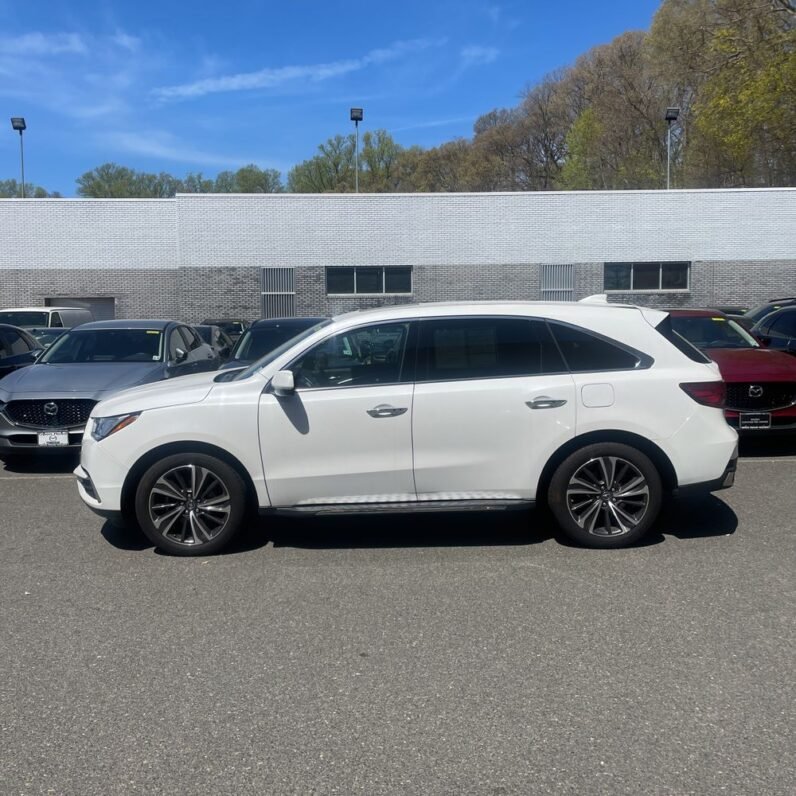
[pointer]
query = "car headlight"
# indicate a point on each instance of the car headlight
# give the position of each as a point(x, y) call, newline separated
point(105, 426)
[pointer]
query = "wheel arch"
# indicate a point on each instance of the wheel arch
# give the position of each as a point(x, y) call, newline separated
point(170, 449)
point(661, 461)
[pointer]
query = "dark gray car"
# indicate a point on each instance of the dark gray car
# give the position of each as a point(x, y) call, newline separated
point(46, 405)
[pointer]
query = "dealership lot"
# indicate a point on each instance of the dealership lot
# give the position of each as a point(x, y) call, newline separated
point(425, 654)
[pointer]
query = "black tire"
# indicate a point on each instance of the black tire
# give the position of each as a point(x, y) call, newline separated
point(606, 516)
point(204, 521)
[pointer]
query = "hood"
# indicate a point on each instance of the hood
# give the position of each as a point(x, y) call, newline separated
point(751, 364)
point(172, 392)
point(85, 380)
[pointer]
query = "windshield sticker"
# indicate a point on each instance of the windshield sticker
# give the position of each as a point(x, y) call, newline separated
point(152, 331)
point(718, 319)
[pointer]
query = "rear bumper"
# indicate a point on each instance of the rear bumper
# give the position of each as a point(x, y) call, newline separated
point(725, 481)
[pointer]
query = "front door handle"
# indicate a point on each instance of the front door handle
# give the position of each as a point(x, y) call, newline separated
point(385, 410)
point(543, 402)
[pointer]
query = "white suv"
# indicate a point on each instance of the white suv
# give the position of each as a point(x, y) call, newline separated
point(597, 410)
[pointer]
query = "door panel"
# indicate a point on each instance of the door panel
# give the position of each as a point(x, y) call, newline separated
point(480, 439)
point(325, 446)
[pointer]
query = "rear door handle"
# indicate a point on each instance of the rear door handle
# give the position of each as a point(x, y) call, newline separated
point(385, 410)
point(543, 402)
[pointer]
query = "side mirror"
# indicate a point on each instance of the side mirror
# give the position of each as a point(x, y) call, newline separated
point(180, 356)
point(283, 382)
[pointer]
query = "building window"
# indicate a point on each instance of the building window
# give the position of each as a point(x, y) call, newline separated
point(369, 279)
point(646, 276)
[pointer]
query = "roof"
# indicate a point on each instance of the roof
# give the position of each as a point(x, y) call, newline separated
point(295, 321)
point(40, 309)
point(121, 323)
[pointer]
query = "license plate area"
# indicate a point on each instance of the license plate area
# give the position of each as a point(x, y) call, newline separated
point(754, 420)
point(53, 439)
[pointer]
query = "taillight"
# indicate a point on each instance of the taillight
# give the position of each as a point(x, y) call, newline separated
point(707, 393)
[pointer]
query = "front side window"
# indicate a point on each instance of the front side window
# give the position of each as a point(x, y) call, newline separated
point(785, 324)
point(585, 352)
point(106, 345)
point(12, 344)
point(355, 358)
point(55, 320)
point(646, 276)
point(485, 348)
point(368, 280)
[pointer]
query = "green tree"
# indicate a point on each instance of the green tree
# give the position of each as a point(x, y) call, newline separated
point(9, 189)
point(583, 168)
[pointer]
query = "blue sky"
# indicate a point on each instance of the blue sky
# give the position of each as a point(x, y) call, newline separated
point(200, 86)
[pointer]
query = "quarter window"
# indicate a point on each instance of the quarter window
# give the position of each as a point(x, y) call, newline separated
point(355, 358)
point(584, 352)
point(785, 324)
point(646, 276)
point(369, 279)
point(486, 348)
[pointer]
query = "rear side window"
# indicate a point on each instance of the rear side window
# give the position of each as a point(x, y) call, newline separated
point(486, 348)
point(12, 344)
point(680, 343)
point(55, 320)
point(585, 352)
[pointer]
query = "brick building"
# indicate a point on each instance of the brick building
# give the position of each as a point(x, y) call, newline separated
point(251, 255)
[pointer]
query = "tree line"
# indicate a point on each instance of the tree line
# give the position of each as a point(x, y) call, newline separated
point(729, 65)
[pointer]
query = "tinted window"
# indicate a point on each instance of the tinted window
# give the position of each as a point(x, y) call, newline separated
point(680, 343)
point(25, 318)
point(12, 344)
point(106, 345)
point(674, 276)
point(712, 332)
point(584, 352)
point(646, 276)
point(784, 324)
point(397, 280)
point(617, 276)
point(484, 348)
point(339, 280)
point(369, 280)
point(355, 358)
point(192, 340)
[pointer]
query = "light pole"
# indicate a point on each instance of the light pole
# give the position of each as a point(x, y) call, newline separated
point(671, 116)
point(18, 123)
point(356, 118)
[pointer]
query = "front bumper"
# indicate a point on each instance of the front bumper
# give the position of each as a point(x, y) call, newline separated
point(89, 495)
point(25, 439)
point(781, 420)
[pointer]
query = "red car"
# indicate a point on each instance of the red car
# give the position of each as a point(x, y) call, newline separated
point(761, 382)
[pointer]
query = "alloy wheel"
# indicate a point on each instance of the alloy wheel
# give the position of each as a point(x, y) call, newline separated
point(189, 505)
point(608, 496)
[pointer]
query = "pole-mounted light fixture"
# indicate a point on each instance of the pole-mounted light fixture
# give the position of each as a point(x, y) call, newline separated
point(18, 123)
point(672, 115)
point(357, 116)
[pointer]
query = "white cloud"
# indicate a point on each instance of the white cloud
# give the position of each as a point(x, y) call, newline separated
point(274, 77)
point(476, 55)
point(432, 123)
point(126, 41)
point(158, 144)
point(43, 44)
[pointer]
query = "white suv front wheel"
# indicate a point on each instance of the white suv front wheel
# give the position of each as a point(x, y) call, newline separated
point(606, 495)
point(190, 504)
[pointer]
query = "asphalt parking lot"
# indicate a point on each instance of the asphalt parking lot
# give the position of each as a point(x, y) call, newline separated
point(472, 654)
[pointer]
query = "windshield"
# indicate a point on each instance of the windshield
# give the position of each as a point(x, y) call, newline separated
point(713, 332)
point(106, 345)
point(277, 352)
point(261, 340)
point(758, 313)
point(25, 319)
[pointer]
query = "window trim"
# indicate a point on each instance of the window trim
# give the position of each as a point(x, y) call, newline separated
point(651, 290)
point(383, 292)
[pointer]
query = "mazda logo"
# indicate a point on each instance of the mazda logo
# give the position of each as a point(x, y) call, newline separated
point(51, 409)
point(755, 391)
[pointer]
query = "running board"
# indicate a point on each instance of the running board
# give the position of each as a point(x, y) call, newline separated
point(399, 508)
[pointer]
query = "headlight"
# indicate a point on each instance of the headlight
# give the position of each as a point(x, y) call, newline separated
point(105, 426)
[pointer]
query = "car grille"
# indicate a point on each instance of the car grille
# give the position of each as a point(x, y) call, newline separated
point(775, 395)
point(59, 413)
